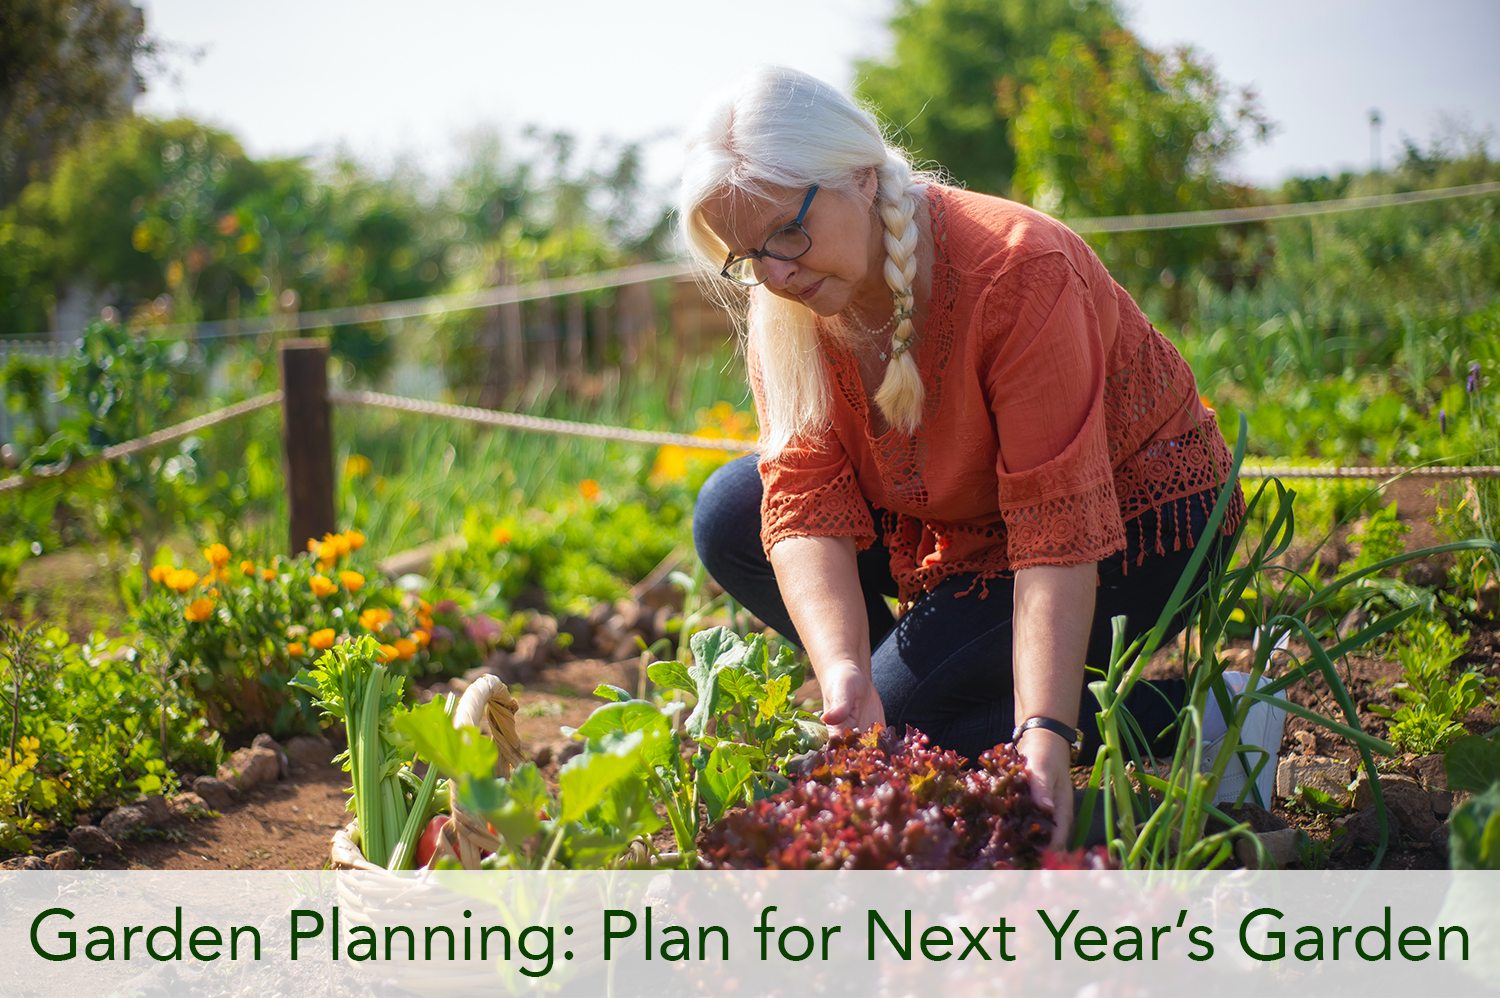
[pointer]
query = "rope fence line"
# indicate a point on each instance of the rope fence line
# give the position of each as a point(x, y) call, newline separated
point(598, 431)
point(668, 269)
point(129, 448)
point(537, 424)
point(1229, 216)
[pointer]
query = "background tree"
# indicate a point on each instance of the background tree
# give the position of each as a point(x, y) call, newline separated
point(1130, 131)
point(938, 87)
point(63, 63)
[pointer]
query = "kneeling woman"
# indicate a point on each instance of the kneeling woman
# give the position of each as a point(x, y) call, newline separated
point(959, 408)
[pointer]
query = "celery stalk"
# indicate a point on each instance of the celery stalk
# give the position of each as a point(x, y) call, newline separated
point(416, 820)
point(377, 846)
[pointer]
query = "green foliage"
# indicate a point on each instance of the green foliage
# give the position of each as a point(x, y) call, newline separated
point(1474, 832)
point(1128, 131)
point(67, 62)
point(1379, 540)
point(87, 728)
point(1436, 702)
point(937, 91)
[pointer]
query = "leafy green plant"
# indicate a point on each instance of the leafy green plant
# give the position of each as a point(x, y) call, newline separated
point(1436, 702)
point(1159, 821)
point(1473, 764)
point(601, 807)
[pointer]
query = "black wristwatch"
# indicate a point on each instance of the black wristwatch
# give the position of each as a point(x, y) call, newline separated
point(1073, 736)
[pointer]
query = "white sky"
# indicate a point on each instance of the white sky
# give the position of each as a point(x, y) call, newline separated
point(387, 79)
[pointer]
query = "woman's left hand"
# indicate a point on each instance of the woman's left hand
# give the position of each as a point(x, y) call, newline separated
point(1049, 761)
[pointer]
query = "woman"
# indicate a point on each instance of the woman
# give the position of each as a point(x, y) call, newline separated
point(958, 408)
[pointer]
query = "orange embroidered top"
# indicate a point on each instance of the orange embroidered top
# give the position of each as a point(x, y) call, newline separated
point(1054, 416)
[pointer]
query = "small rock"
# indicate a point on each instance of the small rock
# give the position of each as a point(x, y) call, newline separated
point(156, 807)
point(629, 612)
point(1439, 839)
point(1307, 742)
point(568, 751)
point(1362, 828)
point(310, 750)
point(580, 631)
point(1317, 771)
point(1280, 847)
point(63, 859)
point(250, 767)
point(542, 756)
point(90, 840)
point(1405, 798)
point(1431, 772)
point(188, 805)
point(123, 822)
point(1261, 821)
point(528, 658)
point(1442, 802)
point(1355, 620)
point(283, 765)
point(1428, 574)
point(220, 795)
point(25, 863)
point(1487, 600)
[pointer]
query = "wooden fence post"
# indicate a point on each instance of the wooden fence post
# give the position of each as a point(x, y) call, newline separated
point(306, 440)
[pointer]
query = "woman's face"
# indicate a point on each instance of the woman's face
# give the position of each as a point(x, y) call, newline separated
point(847, 248)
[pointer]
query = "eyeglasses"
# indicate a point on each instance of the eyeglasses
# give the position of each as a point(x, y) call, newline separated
point(786, 243)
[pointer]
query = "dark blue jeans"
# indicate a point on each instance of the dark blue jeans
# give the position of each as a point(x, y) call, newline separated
point(945, 667)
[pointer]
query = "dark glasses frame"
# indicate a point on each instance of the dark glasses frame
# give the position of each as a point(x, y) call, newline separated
point(763, 253)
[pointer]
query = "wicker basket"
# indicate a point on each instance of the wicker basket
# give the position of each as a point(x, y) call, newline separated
point(488, 706)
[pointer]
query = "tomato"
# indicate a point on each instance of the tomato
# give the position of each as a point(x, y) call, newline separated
point(427, 844)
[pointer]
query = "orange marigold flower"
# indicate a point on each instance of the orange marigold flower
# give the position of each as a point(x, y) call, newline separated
point(424, 620)
point(374, 618)
point(589, 489)
point(182, 579)
point(217, 555)
point(247, 568)
point(500, 535)
point(323, 586)
point(405, 648)
point(312, 545)
point(421, 637)
point(322, 640)
point(159, 573)
point(268, 574)
point(199, 610)
point(388, 652)
point(425, 606)
point(354, 539)
point(352, 581)
point(295, 649)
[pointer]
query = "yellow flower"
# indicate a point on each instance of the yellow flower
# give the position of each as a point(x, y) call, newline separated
point(268, 574)
point(352, 581)
point(295, 649)
point(182, 579)
point(323, 586)
point(357, 466)
point(374, 618)
point(322, 640)
point(421, 637)
point(354, 539)
point(199, 610)
point(159, 573)
point(388, 652)
point(247, 568)
point(335, 545)
point(312, 545)
point(217, 555)
point(500, 535)
point(671, 463)
point(589, 489)
point(405, 648)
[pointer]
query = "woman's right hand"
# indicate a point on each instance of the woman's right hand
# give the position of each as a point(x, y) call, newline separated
point(849, 698)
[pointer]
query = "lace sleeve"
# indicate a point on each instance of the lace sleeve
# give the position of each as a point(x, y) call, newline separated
point(1045, 379)
point(809, 489)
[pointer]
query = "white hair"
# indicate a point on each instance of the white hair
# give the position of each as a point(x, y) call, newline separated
point(780, 128)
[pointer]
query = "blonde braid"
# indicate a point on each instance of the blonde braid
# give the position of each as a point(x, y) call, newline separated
point(901, 393)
